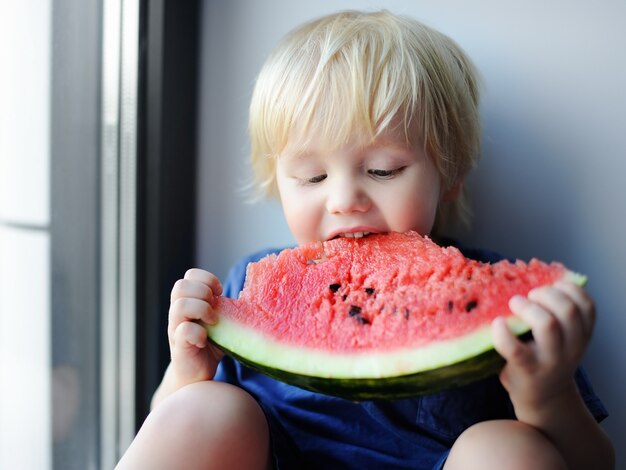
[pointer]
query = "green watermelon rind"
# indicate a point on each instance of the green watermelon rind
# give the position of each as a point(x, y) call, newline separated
point(365, 376)
point(371, 375)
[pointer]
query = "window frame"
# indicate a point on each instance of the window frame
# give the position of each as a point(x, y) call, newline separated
point(123, 166)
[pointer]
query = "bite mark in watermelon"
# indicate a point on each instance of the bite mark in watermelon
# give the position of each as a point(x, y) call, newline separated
point(386, 316)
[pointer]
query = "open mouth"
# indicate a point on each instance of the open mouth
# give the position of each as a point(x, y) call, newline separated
point(355, 234)
point(352, 235)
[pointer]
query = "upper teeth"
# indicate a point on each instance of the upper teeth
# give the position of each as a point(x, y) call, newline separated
point(355, 234)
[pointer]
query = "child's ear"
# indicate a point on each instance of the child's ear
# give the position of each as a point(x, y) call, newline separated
point(452, 194)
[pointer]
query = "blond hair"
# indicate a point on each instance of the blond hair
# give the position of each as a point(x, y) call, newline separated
point(357, 73)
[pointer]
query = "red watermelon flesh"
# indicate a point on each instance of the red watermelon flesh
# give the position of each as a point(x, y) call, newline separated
point(380, 292)
point(366, 297)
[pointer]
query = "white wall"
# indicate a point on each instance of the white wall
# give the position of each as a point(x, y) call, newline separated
point(25, 348)
point(551, 183)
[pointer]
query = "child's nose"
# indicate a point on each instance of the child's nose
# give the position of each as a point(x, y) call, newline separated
point(345, 197)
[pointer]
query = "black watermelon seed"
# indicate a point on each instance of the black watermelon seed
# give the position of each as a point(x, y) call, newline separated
point(406, 313)
point(354, 310)
point(369, 290)
point(471, 305)
point(334, 287)
point(344, 297)
point(450, 305)
point(362, 320)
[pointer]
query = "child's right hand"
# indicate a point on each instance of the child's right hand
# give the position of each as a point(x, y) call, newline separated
point(193, 357)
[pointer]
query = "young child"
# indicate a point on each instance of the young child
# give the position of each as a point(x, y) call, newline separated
point(363, 123)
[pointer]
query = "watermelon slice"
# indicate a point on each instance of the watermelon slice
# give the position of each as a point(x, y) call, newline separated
point(385, 316)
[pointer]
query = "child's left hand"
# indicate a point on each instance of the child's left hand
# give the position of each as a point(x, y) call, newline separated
point(538, 372)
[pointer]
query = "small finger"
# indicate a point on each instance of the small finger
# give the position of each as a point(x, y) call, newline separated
point(585, 304)
point(546, 329)
point(192, 288)
point(507, 344)
point(189, 334)
point(566, 311)
point(205, 277)
point(188, 309)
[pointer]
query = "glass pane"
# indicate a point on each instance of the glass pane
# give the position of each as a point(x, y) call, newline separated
point(68, 190)
point(75, 232)
point(25, 340)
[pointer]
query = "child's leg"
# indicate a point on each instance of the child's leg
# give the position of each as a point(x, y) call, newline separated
point(207, 425)
point(503, 444)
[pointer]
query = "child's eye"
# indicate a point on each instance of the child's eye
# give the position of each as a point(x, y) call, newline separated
point(385, 174)
point(313, 180)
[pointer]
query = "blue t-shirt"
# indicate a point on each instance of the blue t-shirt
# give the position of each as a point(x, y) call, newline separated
point(311, 430)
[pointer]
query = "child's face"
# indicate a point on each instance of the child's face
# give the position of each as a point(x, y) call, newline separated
point(382, 187)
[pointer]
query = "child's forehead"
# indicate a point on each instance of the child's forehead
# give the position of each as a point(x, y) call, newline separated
point(306, 146)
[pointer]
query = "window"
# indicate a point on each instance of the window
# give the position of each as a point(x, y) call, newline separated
point(97, 155)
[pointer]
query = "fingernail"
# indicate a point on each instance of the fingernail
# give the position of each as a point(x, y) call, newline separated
point(516, 301)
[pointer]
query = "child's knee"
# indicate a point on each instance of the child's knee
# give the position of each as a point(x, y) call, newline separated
point(220, 418)
point(216, 405)
point(504, 444)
